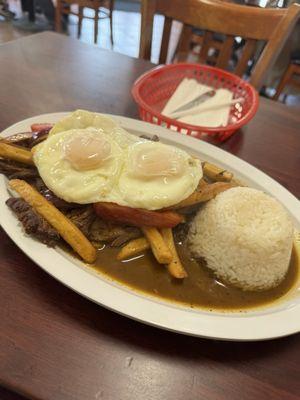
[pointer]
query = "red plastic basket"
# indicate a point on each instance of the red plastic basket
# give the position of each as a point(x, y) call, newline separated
point(153, 89)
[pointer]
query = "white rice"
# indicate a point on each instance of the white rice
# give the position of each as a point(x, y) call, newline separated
point(246, 238)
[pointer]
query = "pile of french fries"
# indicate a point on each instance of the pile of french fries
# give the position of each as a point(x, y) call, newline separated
point(159, 240)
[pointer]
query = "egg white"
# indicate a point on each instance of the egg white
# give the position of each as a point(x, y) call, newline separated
point(81, 119)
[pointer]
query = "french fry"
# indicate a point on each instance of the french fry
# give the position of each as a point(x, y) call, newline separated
point(175, 267)
point(133, 248)
point(205, 193)
point(201, 184)
point(15, 153)
point(216, 173)
point(237, 182)
point(159, 248)
point(16, 138)
point(67, 230)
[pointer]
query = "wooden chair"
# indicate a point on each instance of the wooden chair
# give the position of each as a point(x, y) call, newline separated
point(64, 7)
point(231, 20)
point(288, 78)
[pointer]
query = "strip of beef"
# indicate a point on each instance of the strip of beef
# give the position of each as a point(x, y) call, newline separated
point(33, 223)
point(61, 204)
point(83, 218)
point(38, 137)
point(181, 230)
point(16, 170)
point(129, 233)
point(21, 139)
point(154, 138)
point(27, 139)
point(99, 231)
point(116, 235)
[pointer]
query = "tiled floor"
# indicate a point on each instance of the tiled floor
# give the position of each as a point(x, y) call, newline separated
point(126, 30)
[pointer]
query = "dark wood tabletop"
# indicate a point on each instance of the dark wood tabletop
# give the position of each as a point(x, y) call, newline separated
point(56, 345)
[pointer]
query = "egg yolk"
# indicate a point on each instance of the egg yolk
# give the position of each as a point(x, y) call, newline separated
point(86, 152)
point(157, 161)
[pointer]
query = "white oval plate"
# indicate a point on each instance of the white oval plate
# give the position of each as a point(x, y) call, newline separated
point(278, 320)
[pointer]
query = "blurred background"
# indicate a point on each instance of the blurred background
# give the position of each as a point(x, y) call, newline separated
point(24, 17)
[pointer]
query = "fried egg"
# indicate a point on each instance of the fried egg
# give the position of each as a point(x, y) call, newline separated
point(156, 175)
point(79, 165)
point(89, 158)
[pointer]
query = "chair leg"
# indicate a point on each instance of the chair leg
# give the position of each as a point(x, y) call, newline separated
point(284, 81)
point(111, 9)
point(96, 19)
point(80, 17)
point(58, 16)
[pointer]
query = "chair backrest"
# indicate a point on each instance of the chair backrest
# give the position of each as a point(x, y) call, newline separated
point(271, 26)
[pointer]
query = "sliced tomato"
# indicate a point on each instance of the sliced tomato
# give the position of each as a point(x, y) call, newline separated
point(136, 216)
point(41, 127)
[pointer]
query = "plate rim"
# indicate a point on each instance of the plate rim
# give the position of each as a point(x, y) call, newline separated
point(225, 326)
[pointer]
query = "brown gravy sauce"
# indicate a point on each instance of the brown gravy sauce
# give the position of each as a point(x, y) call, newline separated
point(200, 289)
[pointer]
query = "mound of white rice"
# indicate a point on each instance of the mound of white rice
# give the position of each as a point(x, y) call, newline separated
point(246, 238)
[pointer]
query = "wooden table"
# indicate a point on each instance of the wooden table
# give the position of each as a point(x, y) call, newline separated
point(56, 345)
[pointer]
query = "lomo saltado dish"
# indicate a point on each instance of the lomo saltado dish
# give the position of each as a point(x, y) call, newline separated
point(149, 215)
